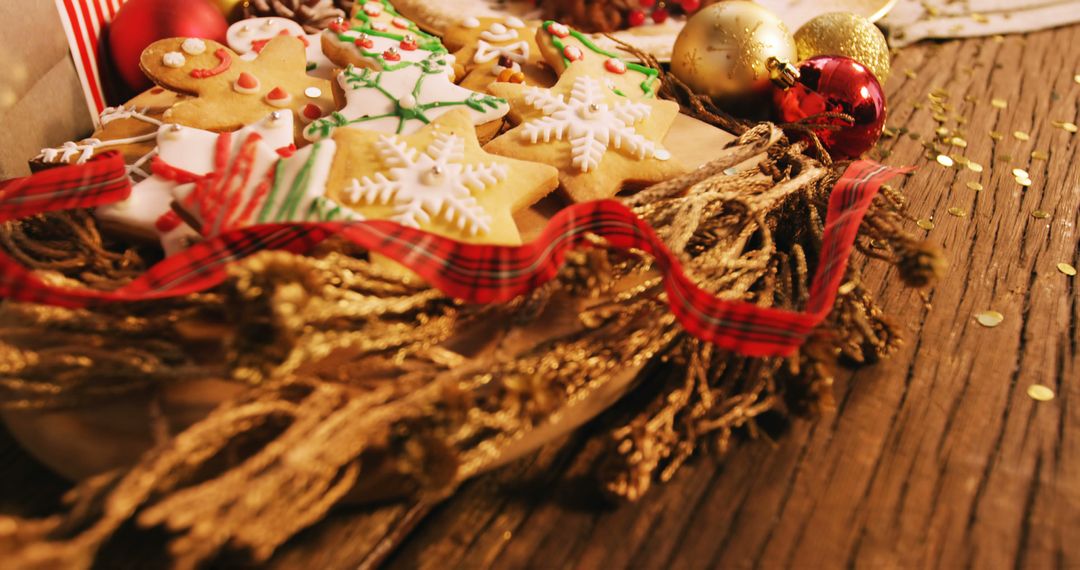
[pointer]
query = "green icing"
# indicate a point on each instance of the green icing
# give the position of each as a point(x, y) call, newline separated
point(297, 190)
point(647, 86)
point(424, 40)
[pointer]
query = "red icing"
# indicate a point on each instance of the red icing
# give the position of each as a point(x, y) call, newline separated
point(615, 65)
point(558, 30)
point(312, 111)
point(379, 26)
point(400, 23)
point(390, 55)
point(408, 44)
point(168, 222)
point(258, 45)
point(364, 42)
point(573, 53)
point(286, 151)
point(277, 93)
point(226, 62)
point(247, 81)
point(372, 9)
point(339, 28)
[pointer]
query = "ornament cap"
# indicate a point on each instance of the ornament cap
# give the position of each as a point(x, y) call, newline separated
point(782, 73)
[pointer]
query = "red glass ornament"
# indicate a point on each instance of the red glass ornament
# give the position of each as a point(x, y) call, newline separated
point(690, 6)
point(835, 84)
point(636, 18)
point(660, 15)
point(140, 23)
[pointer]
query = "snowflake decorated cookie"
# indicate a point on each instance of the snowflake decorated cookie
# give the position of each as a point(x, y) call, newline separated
point(148, 211)
point(130, 129)
point(403, 100)
point(228, 92)
point(563, 47)
point(598, 140)
point(498, 49)
point(378, 38)
point(249, 37)
point(438, 179)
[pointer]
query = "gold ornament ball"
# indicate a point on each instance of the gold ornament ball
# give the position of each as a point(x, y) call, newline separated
point(232, 9)
point(723, 50)
point(846, 34)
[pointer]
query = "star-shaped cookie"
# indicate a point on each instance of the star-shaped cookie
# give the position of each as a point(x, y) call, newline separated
point(229, 92)
point(598, 140)
point(438, 179)
point(404, 99)
point(490, 48)
point(563, 47)
point(378, 38)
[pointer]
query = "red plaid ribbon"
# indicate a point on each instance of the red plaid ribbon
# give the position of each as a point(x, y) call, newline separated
point(474, 273)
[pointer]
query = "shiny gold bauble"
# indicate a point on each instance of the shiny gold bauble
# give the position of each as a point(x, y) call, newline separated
point(846, 34)
point(724, 49)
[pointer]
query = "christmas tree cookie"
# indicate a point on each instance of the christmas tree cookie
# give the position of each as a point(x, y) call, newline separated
point(498, 49)
point(229, 92)
point(183, 155)
point(598, 140)
point(378, 38)
point(249, 37)
point(438, 179)
point(564, 47)
point(404, 99)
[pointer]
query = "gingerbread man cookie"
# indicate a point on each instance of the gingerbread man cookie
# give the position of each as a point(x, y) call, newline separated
point(130, 128)
point(147, 212)
point(249, 37)
point(564, 47)
point(404, 99)
point(229, 92)
point(438, 179)
point(378, 38)
point(598, 140)
point(498, 49)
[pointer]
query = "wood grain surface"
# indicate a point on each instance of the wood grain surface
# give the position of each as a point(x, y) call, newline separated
point(936, 457)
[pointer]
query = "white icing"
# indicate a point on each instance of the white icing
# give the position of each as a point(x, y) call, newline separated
point(362, 100)
point(470, 22)
point(242, 36)
point(193, 46)
point(192, 150)
point(86, 148)
point(379, 46)
point(514, 22)
point(373, 9)
point(434, 183)
point(174, 59)
point(485, 52)
point(313, 92)
point(588, 123)
point(499, 33)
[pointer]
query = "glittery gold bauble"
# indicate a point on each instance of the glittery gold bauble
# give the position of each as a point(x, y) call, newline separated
point(722, 51)
point(846, 34)
point(233, 9)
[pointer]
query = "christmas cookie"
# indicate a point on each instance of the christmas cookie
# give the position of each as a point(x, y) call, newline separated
point(404, 99)
point(378, 38)
point(563, 47)
point(147, 212)
point(438, 179)
point(498, 49)
point(229, 92)
point(598, 140)
point(249, 37)
point(130, 128)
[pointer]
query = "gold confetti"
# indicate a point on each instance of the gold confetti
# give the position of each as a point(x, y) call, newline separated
point(1067, 269)
point(1020, 173)
point(945, 161)
point(1021, 135)
point(847, 287)
point(910, 74)
point(974, 166)
point(996, 135)
point(989, 319)
point(980, 18)
point(974, 186)
point(999, 103)
point(1076, 78)
point(958, 142)
point(1039, 155)
point(939, 117)
point(957, 212)
point(1040, 214)
point(925, 224)
point(1025, 182)
point(942, 131)
point(1070, 127)
point(1040, 393)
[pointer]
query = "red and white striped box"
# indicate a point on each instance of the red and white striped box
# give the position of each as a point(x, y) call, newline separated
point(83, 22)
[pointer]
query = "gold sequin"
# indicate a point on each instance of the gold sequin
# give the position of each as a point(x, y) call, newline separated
point(974, 166)
point(974, 186)
point(1020, 173)
point(1040, 393)
point(1040, 214)
point(925, 224)
point(959, 213)
point(1021, 135)
point(1039, 155)
point(1070, 127)
point(910, 74)
point(1067, 269)
point(945, 161)
point(1025, 182)
point(996, 135)
point(958, 142)
point(989, 319)
point(999, 103)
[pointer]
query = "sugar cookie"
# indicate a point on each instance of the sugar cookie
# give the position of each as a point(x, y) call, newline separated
point(378, 38)
point(249, 37)
point(563, 47)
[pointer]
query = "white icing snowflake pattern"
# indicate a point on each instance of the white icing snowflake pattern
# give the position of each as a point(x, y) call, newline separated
point(430, 184)
point(589, 123)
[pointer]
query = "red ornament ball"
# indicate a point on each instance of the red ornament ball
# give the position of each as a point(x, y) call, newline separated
point(834, 84)
point(140, 23)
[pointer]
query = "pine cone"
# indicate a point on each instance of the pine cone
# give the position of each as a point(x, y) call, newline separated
point(313, 15)
point(588, 15)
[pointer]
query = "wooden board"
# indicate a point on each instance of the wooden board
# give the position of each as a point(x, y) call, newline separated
point(934, 458)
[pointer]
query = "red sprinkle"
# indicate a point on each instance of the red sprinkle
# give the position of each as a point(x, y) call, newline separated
point(364, 42)
point(408, 44)
point(391, 55)
point(226, 62)
point(615, 65)
point(247, 81)
point(339, 28)
point(312, 111)
point(276, 94)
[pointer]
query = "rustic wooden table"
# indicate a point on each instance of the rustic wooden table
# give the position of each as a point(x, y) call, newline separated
point(937, 457)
